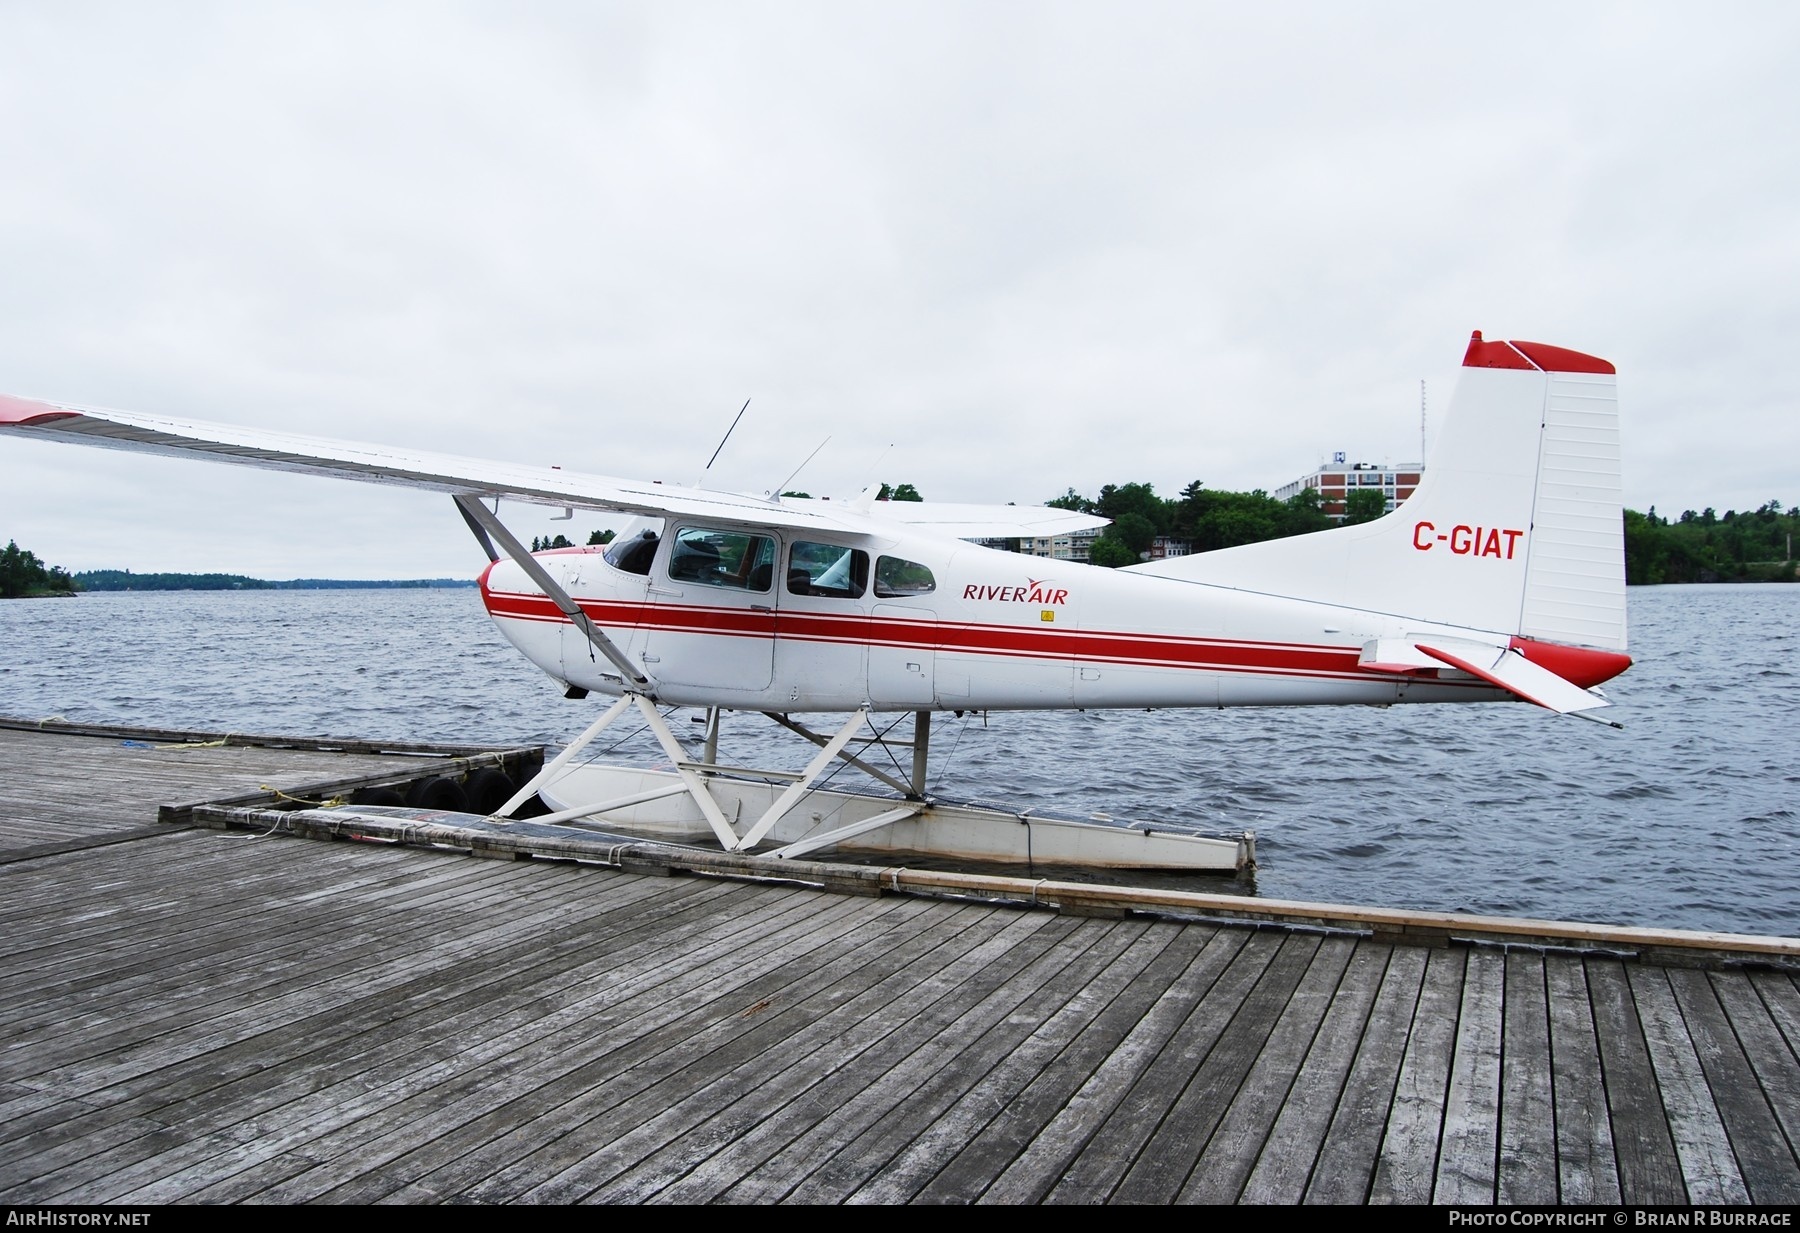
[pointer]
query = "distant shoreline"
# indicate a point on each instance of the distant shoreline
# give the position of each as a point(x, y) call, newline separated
point(103, 580)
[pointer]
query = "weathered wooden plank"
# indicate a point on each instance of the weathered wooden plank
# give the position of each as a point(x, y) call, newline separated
point(922, 1171)
point(1649, 1171)
point(762, 1104)
point(1047, 1157)
point(363, 1008)
point(1405, 1171)
point(1708, 1169)
point(966, 970)
point(908, 1016)
point(733, 1066)
point(1469, 1142)
point(1352, 1148)
point(395, 1118)
point(1761, 1153)
point(729, 1078)
point(1782, 999)
point(1168, 1159)
point(971, 1175)
point(1172, 1151)
point(1285, 1161)
point(754, 1085)
point(76, 1063)
point(1225, 1165)
point(1120, 1139)
point(87, 782)
point(125, 1019)
point(1586, 1167)
point(933, 1081)
point(243, 1087)
point(201, 927)
point(1526, 1172)
point(1769, 1052)
point(515, 1011)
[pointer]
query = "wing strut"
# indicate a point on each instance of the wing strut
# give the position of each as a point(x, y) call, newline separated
point(477, 515)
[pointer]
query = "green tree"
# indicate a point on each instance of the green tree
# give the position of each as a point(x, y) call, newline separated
point(898, 492)
point(1111, 553)
point(1133, 530)
point(601, 537)
point(1364, 505)
point(1118, 500)
point(22, 574)
point(1071, 500)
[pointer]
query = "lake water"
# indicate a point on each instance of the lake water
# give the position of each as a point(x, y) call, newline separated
point(1685, 819)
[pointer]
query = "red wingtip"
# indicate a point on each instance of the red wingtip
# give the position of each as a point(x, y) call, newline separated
point(26, 412)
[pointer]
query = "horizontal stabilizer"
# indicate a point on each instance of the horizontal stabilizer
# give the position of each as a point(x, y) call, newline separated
point(1511, 671)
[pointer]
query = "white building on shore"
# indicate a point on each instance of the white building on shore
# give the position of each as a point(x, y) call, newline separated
point(1335, 481)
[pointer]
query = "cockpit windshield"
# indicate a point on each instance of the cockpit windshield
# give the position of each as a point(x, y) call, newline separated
point(634, 555)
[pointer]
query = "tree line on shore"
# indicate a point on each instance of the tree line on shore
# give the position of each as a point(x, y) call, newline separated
point(1205, 518)
point(1754, 546)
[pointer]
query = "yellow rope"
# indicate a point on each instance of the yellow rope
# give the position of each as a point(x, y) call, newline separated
point(333, 803)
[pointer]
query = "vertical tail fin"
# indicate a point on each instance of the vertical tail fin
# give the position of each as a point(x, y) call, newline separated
point(1516, 526)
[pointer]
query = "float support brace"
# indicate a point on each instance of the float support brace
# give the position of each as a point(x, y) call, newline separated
point(696, 786)
point(873, 772)
point(562, 759)
point(788, 799)
point(813, 843)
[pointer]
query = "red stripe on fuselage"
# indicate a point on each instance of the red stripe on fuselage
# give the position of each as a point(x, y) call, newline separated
point(1074, 646)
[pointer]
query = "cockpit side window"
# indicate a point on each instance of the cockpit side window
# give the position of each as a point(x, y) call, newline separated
point(633, 555)
point(714, 558)
point(830, 570)
point(895, 577)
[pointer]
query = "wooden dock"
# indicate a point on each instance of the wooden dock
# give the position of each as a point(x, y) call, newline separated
point(200, 1015)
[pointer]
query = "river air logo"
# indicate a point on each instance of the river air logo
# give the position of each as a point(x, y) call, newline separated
point(1035, 591)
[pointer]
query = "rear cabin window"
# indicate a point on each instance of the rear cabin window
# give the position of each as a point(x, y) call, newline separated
point(895, 577)
point(731, 559)
point(830, 570)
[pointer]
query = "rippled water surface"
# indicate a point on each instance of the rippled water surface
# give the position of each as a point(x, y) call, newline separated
point(1687, 818)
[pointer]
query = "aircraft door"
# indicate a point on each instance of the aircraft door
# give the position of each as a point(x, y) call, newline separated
point(711, 621)
point(903, 640)
point(821, 639)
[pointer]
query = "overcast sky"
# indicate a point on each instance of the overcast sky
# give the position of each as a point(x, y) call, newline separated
point(997, 250)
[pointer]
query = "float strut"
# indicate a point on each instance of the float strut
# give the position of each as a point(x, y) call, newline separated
point(576, 746)
point(788, 799)
point(921, 746)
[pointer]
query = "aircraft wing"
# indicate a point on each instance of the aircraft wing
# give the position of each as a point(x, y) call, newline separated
point(279, 451)
point(379, 464)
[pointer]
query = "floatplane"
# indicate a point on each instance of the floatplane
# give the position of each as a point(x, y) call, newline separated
point(1500, 579)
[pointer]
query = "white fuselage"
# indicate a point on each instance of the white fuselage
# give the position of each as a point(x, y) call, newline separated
point(923, 622)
